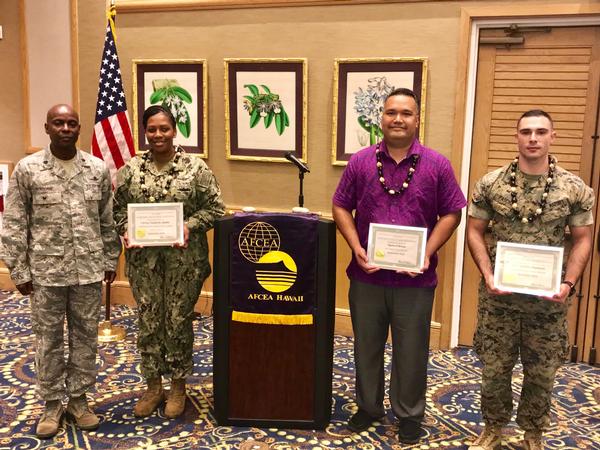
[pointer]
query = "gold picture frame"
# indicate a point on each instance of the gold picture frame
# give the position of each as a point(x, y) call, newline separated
point(180, 82)
point(259, 94)
point(377, 76)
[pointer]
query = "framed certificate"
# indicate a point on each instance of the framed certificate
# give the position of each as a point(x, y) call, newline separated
point(528, 269)
point(397, 247)
point(155, 224)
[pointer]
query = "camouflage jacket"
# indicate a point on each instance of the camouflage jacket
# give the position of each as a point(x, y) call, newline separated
point(194, 185)
point(58, 230)
point(569, 202)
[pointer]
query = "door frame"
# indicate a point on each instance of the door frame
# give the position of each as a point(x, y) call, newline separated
point(474, 19)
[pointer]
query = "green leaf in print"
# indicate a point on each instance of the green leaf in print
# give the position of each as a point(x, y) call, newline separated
point(158, 95)
point(269, 119)
point(363, 124)
point(279, 126)
point(286, 118)
point(252, 89)
point(185, 127)
point(182, 94)
point(254, 118)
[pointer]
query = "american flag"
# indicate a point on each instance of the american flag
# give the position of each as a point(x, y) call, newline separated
point(112, 140)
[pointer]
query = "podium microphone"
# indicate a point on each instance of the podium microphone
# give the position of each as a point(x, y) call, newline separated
point(299, 164)
point(302, 168)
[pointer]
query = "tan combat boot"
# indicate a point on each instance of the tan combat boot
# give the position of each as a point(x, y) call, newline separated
point(533, 440)
point(50, 420)
point(151, 399)
point(79, 410)
point(176, 400)
point(489, 439)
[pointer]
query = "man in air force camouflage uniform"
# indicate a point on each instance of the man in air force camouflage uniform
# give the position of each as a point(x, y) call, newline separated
point(59, 242)
point(529, 201)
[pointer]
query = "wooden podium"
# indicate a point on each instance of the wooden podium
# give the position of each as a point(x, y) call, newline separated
point(273, 375)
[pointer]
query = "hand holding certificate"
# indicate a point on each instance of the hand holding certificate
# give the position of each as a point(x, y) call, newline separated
point(528, 269)
point(155, 224)
point(397, 247)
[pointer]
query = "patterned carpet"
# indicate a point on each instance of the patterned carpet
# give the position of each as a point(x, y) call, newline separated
point(452, 407)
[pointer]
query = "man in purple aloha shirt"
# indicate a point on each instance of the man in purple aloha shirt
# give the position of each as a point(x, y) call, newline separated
point(397, 182)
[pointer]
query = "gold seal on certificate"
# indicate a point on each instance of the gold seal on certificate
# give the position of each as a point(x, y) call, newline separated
point(397, 247)
point(155, 224)
point(528, 269)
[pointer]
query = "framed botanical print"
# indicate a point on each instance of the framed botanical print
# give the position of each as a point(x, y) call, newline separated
point(179, 85)
point(360, 88)
point(265, 108)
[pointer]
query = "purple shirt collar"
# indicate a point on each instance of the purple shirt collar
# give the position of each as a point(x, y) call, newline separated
point(415, 148)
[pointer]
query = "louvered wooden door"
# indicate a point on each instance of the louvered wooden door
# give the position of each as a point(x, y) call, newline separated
point(555, 70)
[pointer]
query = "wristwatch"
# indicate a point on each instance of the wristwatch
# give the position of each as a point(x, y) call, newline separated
point(571, 285)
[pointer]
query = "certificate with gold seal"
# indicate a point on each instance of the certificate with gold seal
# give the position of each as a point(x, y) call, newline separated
point(528, 269)
point(397, 247)
point(155, 224)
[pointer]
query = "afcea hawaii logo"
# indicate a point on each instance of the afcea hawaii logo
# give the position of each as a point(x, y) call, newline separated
point(259, 243)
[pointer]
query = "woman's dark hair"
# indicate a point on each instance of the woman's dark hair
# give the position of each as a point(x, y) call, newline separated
point(157, 109)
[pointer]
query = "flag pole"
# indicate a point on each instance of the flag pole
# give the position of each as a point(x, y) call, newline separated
point(107, 332)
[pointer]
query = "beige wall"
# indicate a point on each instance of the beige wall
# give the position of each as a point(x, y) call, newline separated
point(47, 26)
point(319, 34)
point(12, 147)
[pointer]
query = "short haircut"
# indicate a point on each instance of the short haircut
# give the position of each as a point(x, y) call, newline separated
point(407, 93)
point(536, 113)
point(157, 109)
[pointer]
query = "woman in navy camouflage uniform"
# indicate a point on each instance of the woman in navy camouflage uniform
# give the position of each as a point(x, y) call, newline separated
point(166, 281)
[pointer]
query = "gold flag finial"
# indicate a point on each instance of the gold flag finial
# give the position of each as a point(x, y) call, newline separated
point(111, 14)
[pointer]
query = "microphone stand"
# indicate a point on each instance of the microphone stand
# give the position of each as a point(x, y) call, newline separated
point(301, 195)
point(302, 168)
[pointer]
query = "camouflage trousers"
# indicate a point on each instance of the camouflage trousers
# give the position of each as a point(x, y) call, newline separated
point(165, 295)
point(81, 306)
point(532, 328)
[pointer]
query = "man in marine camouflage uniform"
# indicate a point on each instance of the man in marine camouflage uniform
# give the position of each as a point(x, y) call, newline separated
point(59, 242)
point(529, 201)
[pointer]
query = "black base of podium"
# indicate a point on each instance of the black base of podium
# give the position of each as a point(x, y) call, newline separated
point(280, 424)
point(273, 376)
